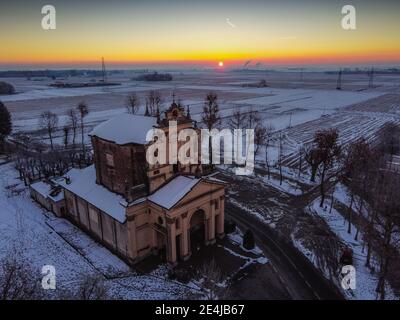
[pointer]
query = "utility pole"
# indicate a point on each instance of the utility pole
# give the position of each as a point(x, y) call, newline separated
point(103, 70)
point(339, 81)
point(371, 78)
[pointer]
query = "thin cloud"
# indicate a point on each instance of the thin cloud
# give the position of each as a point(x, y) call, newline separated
point(230, 23)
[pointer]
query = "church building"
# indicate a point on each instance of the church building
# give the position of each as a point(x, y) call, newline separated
point(137, 209)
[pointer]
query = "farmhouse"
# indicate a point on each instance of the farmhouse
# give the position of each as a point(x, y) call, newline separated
point(135, 208)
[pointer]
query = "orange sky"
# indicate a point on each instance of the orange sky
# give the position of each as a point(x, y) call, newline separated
point(268, 32)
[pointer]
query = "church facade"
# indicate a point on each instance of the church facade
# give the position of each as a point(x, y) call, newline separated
point(137, 209)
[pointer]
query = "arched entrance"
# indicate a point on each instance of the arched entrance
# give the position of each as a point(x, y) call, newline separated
point(197, 234)
point(161, 245)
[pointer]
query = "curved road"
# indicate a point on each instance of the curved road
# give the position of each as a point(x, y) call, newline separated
point(300, 277)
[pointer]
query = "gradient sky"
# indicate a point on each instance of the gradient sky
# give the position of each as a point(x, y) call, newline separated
point(274, 32)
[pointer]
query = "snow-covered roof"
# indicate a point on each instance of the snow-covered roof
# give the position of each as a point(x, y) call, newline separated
point(46, 190)
point(212, 179)
point(42, 188)
point(173, 191)
point(125, 128)
point(83, 184)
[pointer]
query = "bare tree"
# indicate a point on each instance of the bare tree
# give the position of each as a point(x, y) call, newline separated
point(389, 139)
point(210, 277)
point(280, 158)
point(132, 103)
point(267, 142)
point(210, 116)
point(92, 287)
point(18, 279)
point(83, 112)
point(312, 157)
point(253, 118)
point(153, 102)
point(73, 122)
point(66, 130)
point(301, 157)
point(329, 152)
point(322, 155)
point(261, 136)
point(386, 203)
point(237, 120)
point(49, 121)
point(357, 162)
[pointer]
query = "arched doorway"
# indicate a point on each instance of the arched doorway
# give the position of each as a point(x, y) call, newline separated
point(161, 245)
point(197, 230)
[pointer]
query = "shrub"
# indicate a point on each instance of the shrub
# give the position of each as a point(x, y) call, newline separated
point(248, 240)
point(6, 88)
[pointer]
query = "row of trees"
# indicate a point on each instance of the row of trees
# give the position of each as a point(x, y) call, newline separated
point(153, 102)
point(372, 187)
point(38, 165)
point(240, 119)
point(49, 121)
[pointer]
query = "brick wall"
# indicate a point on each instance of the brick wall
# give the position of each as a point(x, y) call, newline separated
point(120, 168)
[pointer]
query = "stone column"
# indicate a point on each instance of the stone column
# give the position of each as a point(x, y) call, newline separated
point(221, 217)
point(171, 241)
point(211, 229)
point(185, 236)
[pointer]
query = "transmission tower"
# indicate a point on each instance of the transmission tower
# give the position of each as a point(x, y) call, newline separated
point(339, 81)
point(371, 78)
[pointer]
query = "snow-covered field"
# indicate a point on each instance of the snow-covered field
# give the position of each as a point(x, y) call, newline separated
point(296, 110)
point(44, 239)
point(280, 107)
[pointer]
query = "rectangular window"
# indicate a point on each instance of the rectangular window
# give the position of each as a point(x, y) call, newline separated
point(110, 160)
point(216, 204)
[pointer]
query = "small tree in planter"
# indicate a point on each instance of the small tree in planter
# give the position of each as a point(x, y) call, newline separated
point(230, 226)
point(248, 240)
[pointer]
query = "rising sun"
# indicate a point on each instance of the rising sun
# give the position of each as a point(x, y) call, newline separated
point(220, 64)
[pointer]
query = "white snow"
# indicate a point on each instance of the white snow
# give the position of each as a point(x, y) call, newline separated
point(125, 128)
point(42, 188)
point(45, 239)
point(83, 184)
point(174, 191)
point(306, 98)
point(366, 281)
point(45, 189)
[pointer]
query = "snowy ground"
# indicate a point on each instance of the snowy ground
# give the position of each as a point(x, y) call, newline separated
point(295, 108)
point(366, 279)
point(47, 240)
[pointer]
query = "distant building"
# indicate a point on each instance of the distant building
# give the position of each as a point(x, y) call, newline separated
point(137, 209)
